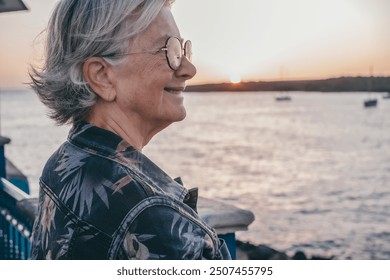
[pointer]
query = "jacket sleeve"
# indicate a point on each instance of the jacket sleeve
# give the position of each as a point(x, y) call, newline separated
point(168, 232)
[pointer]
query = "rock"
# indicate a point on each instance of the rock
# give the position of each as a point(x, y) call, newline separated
point(249, 251)
point(299, 255)
point(315, 257)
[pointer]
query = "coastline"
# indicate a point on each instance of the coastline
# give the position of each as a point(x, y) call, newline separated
point(340, 84)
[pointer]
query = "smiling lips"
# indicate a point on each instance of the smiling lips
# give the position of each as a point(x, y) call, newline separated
point(174, 90)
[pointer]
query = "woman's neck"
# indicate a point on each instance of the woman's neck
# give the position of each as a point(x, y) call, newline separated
point(134, 130)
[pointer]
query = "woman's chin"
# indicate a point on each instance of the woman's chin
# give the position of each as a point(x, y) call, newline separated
point(180, 115)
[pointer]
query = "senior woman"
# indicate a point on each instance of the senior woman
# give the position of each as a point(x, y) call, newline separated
point(116, 70)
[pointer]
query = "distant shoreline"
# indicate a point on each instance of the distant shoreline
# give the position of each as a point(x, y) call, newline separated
point(341, 84)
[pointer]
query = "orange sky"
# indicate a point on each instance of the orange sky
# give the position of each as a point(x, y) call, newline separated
point(247, 39)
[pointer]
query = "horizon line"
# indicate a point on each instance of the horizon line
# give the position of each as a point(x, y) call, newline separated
point(288, 80)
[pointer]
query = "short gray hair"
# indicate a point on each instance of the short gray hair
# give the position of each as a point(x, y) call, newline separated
point(76, 31)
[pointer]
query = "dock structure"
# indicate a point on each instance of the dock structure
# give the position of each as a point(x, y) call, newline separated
point(226, 219)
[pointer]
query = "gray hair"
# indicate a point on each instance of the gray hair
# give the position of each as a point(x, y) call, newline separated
point(76, 31)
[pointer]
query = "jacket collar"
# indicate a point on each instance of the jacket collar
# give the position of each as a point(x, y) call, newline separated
point(105, 143)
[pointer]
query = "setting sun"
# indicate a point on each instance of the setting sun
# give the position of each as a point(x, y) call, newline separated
point(235, 79)
point(250, 40)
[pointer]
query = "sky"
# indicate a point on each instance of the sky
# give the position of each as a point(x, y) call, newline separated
point(246, 40)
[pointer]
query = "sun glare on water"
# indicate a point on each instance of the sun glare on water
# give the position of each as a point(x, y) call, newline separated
point(235, 79)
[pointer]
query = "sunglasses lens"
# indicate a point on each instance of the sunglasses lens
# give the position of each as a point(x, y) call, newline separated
point(174, 53)
point(188, 50)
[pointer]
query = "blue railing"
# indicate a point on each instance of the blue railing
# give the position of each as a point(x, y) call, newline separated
point(14, 238)
point(17, 210)
point(17, 213)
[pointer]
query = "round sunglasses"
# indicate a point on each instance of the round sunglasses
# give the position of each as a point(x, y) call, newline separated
point(174, 52)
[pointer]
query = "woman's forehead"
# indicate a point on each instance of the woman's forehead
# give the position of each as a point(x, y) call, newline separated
point(163, 26)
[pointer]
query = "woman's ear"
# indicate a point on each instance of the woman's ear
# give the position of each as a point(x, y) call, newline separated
point(95, 72)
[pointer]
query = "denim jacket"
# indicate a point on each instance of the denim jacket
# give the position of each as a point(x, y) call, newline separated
point(102, 199)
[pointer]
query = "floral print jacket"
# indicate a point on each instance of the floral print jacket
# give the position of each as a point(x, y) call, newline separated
point(101, 199)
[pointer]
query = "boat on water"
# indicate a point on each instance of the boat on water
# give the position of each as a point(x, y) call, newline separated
point(372, 102)
point(283, 98)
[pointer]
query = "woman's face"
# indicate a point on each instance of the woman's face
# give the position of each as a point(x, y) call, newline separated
point(148, 91)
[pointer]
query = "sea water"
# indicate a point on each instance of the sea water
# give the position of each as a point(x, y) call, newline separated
point(315, 171)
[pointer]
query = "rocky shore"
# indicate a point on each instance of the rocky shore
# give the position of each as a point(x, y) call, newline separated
point(247, 251)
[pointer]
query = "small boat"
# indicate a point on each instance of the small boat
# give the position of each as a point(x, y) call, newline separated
point(386, 96)
point(370, 102)
point(283, 98)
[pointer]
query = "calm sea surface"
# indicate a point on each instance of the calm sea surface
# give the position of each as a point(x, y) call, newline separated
point(315, 171)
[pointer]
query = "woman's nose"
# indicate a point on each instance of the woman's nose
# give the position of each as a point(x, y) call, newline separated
point(187, 70)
